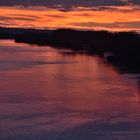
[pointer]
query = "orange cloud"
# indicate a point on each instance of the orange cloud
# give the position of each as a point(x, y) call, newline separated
point(42, 17)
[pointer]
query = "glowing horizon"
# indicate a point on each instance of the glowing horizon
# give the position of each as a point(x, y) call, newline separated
point(111, 18)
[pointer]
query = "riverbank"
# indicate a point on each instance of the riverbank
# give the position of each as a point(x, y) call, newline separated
point(124, 47)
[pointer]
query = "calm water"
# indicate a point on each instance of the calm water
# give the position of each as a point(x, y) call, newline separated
point(47, 95)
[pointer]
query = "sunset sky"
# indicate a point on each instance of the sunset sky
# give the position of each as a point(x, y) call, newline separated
point(114, 15)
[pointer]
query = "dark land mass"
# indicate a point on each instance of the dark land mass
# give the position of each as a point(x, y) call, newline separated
point(122, 49)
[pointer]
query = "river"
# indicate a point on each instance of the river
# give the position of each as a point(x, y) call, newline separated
point(52, 94)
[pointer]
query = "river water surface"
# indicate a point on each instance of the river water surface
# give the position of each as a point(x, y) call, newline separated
point(47, 94)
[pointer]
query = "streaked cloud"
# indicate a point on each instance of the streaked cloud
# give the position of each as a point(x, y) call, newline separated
point(81, 14)
point(69, 3)
point(63, 3)
point(100, 18)
point(114, 25)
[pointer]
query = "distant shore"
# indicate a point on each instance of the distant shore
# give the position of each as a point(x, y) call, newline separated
point(119, 48)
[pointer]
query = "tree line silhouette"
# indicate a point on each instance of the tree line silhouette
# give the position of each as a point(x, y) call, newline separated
point(125, 46)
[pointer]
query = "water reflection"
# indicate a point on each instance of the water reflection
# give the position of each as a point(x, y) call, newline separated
point(45, 94)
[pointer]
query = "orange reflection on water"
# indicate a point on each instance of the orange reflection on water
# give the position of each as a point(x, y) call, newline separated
point(113, 18)
point(53, 95)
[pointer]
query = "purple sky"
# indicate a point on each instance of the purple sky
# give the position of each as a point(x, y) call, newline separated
point(69, 3)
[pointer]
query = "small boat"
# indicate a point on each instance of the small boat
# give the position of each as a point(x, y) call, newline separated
point(109, 56)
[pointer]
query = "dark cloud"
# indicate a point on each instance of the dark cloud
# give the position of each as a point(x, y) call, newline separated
point(137, 2)
point(68, 5)
point(64, 3)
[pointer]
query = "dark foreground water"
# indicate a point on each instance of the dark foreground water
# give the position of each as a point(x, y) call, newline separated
point(48, 95)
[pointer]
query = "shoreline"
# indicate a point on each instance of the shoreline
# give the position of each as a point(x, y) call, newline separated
point(122, 48)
